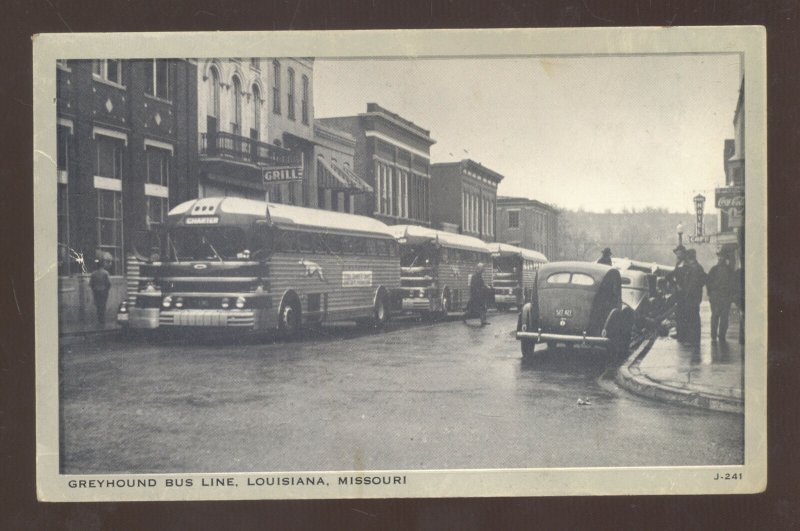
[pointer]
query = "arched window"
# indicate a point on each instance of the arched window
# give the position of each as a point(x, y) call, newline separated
point(276, 87)
point(256, 112)
point(236, 110)
point(213, 93)
point(290, 98)
point(304, 103)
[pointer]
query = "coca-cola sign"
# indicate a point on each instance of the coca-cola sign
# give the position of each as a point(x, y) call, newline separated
point(730, 197)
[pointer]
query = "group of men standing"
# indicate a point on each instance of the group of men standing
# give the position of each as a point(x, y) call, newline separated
point(688, 279)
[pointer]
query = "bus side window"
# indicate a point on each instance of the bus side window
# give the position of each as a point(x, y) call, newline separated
point(305, 242)
point(262, 241)
point(382, 247)
point(392, 249)
point(334, 243)
point(371, 247)
point(359, 245)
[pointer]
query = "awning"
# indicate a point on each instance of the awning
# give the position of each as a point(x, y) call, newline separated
point(335, 177)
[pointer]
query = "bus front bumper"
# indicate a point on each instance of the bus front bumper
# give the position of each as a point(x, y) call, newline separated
point(503, 298)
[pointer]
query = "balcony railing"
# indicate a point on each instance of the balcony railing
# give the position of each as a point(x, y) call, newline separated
point(243, 149)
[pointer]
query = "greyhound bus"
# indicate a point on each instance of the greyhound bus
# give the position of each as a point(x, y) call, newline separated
point(514, 274)
point(239, 263)
point(435, 269)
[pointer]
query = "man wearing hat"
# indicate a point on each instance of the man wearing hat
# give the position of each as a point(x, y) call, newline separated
point(677, 278)
point(100, 283)
point(721, 286)
point(476, 306)
point(695, 280)
point(606, 257)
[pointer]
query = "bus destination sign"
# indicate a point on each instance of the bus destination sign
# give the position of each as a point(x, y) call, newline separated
point(283, 174)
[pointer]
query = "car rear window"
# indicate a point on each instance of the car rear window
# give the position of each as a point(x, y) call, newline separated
point(579, 279)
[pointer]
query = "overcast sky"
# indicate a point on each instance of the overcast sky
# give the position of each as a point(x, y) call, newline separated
point(593, 132)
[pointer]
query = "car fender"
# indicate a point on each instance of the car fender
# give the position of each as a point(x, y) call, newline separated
point(526, 318)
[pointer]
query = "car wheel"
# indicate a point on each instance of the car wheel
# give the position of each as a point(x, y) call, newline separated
point(527, 346)
point(289, 320)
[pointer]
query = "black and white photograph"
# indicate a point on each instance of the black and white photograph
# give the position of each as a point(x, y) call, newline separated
point(401, 264)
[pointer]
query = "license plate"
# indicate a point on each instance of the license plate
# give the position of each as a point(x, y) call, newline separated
point(561, 312)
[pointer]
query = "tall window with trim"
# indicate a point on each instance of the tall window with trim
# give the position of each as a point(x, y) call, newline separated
point(64, 249)
point(255, 131)
point(108, 69)
point(109, 199)
point(513, 219)
point(276, 87)
point(236, 106)
point(290, 94)
point(157, 191)
point(156, 78)
point(304, 104)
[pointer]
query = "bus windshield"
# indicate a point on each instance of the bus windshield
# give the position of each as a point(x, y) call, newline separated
point(417, 256)
point(208, 243)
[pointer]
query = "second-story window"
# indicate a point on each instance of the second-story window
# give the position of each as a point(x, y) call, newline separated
point(256, 112)
point(513, 219)
point(156, 77)
point(212, 109)
point(236, 110)
point(304, 103)
point(108, 69)
point(290, 98)
point(276, 87)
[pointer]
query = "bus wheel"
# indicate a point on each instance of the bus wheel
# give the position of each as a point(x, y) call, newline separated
point(289, 320)
point(445, 304)
point(381, 312)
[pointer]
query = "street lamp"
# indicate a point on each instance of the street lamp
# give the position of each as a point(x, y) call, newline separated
point(680, 233)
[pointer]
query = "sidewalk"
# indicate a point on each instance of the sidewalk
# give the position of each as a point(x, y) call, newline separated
point(72, 329)
point(709, 376)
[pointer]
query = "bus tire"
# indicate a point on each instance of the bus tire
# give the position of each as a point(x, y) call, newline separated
point(289, 319)
point(445, 304)
point(380, 314)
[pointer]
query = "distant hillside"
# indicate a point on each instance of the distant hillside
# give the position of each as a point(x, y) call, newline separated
point(648, 235)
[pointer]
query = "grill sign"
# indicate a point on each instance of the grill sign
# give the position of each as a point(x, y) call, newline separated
point(356, 279)
point(283, 175)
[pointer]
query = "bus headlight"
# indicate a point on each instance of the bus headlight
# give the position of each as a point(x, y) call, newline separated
point(167, 302)
point(240, 302)
point(226, 303)
point(179, 302)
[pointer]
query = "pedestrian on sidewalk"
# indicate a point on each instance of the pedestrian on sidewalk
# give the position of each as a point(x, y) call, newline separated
point(695, 280)
point(605, 258)
point(100, 284)
point(677, 279)
point(476, 306)
point(721, 288)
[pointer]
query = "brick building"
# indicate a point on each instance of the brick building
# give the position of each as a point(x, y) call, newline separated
point(465, 195)
point(528, 223)
point(392, 155)
point(126, 150)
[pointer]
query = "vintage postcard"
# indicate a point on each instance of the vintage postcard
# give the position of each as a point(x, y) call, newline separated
point(447, 263)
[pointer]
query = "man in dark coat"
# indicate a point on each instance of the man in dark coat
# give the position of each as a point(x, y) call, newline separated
point(695, 280)
point(476, 307)
point(678, 279)
point(606, 257)
point(721, 288)
point(100, 283)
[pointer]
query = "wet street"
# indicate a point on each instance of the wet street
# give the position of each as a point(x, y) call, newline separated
point(413, 396)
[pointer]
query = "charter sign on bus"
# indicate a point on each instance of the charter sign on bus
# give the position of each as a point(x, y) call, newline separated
point(283, 174)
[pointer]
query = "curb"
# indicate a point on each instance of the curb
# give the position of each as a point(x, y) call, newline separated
point(77, 334)
point(629, 378)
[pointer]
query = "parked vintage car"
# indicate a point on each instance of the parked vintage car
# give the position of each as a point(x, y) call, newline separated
point(576, 303)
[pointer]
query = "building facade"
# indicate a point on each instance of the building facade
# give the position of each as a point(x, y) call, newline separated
point(392, 156)
point(528, 223)
point(465, 195)
point(730, 199)
point(338, 186)
point(255, 114)
point(126, 153)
